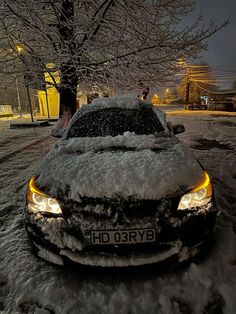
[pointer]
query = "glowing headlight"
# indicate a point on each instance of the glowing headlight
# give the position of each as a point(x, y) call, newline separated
point(40, 202)
point(199, 196)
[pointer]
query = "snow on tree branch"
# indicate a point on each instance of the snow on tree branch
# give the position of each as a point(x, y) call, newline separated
point(102, 43)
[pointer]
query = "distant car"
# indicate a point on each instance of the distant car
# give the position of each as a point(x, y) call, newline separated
point(196, 106)
point(119, 189)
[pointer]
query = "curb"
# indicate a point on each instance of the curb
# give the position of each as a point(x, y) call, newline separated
point(20, 125)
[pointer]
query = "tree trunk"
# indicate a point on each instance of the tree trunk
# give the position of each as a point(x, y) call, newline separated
point(67, 106)
point(68, 91)
point(68, 100)
point(69, 79)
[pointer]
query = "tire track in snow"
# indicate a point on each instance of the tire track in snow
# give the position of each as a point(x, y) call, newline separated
point(11, 153)
point(16, 167)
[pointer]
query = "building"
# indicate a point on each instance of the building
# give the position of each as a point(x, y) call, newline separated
point(222, 100)
point(49, 100)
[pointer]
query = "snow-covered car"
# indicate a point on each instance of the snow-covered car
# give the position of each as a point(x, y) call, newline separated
point(119, 189)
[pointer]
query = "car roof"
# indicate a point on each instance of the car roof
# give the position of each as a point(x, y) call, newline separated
point(124, 102)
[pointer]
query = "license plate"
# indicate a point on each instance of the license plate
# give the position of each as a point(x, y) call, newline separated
point(98, 237)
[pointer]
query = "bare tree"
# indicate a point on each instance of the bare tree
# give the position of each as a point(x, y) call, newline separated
point(98, 43)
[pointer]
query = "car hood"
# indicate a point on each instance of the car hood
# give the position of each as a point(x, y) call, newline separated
point(124, 166)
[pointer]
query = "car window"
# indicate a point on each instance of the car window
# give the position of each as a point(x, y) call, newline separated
point(115, 121)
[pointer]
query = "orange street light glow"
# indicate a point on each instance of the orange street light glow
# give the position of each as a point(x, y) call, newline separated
point(19, 49)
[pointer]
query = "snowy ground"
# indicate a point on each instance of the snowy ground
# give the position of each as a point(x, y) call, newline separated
point(28, 285)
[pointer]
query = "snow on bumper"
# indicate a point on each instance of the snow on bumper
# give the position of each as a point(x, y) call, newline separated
point(178, 236)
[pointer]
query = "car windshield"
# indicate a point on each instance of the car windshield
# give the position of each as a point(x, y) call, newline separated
point(116, 121)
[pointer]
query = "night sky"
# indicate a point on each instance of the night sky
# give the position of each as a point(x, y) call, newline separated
point(221, 53)
point(222, 46)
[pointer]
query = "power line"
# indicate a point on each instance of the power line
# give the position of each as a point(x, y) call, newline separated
point(213, 66)
point(206, 90)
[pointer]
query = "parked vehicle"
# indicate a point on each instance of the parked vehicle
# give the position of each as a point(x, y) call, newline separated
point(198, 105)
point(119, 189)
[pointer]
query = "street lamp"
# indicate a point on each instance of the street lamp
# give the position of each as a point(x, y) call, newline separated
point(18, 97)
point(155, 99)
point(19, 49)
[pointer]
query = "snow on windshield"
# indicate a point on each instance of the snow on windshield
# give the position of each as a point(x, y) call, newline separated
point(129, 104)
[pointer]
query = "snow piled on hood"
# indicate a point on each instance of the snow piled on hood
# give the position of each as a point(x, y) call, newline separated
point(143, 167)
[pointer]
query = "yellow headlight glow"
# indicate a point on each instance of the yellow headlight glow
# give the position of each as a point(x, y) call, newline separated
point(205, 183)
point(38, 201)
point(199, 196)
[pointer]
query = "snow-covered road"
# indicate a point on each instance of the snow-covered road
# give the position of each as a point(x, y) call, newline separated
point(29, 285)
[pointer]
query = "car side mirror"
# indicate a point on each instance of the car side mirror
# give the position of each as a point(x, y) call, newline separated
point(178, 128)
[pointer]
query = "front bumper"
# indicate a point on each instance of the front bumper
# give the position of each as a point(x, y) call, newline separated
point(180, 235)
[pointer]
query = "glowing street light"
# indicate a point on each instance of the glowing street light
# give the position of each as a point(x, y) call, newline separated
point(19, 49)
point(182, 63)
point(155, 99)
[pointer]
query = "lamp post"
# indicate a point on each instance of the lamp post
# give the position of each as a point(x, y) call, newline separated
point(5, 90)
point(20, 49)
point(18, 98)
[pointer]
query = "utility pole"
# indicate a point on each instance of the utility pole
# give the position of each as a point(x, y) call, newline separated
point(187, 87)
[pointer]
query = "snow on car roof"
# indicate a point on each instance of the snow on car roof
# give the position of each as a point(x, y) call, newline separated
point(125, 102)
point(120, 101)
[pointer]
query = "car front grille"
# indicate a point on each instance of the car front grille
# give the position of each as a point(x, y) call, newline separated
point(108, 209)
